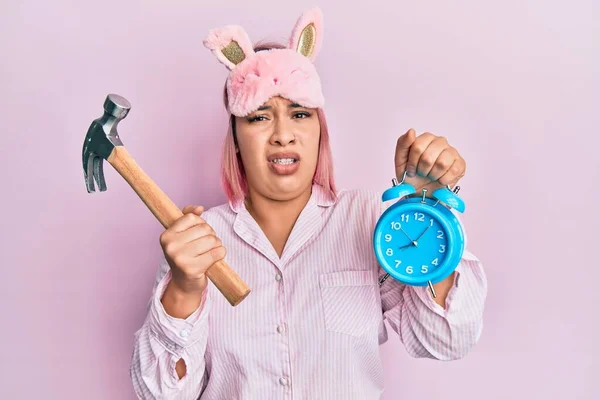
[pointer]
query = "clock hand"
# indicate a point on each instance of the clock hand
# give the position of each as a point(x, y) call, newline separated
point(413, 242)
point(409, 238)
point(421, 235)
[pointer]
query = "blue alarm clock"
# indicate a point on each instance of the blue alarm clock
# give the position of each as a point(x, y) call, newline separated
point(418, 240)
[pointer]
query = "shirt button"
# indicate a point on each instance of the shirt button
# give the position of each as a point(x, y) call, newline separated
point(278, 277)
point(183, 333)
point(280, 329)
point(283, 381)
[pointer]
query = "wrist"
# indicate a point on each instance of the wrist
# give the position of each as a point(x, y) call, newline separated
point(181, 302)
point(188, 286)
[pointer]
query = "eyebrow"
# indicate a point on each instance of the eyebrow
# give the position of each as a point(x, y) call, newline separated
point(293, 105)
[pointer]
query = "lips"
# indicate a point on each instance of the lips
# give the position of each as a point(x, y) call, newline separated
point(284, 168)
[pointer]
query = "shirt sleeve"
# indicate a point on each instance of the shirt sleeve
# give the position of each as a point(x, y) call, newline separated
point(163, 340)
point(428, 330)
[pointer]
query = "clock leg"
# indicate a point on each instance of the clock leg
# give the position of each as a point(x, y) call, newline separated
point(431, 289)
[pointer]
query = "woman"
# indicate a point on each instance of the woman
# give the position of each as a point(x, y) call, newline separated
point(313, 322)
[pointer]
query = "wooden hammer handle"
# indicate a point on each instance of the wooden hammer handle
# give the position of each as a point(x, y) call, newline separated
point(221, 274)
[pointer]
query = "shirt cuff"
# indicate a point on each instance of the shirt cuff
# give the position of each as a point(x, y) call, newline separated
point(426, 297)
point(469, 289)
point(176, 333)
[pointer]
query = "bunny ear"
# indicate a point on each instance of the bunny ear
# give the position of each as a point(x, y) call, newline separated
point(307, 35)
point(230, 44)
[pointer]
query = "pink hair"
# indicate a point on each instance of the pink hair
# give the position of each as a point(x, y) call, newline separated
point(233, 175)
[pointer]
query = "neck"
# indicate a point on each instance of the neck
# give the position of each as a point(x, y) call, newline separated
point(277, 217)
point(266, 210)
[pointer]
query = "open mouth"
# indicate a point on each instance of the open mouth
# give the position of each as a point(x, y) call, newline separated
point(284, 163)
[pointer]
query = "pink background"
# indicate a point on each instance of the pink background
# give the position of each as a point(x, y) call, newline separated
point(512, 84)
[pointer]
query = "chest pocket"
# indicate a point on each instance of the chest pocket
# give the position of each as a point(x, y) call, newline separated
point(350, 303)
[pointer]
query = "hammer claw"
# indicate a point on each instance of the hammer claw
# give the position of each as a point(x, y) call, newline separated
point(94, 171)
point(99, 173)
point(89, 174)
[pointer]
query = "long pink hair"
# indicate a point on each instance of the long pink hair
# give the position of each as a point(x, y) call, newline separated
point(233, 175)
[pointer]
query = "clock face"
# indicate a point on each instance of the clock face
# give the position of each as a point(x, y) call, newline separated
point(413, 243)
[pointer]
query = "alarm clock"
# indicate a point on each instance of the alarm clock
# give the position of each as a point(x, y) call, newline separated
point(418, 240)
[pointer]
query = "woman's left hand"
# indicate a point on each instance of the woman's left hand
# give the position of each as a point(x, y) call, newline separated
point(429, 160)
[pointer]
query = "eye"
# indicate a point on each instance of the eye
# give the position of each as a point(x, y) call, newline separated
point(257, 118)
point(302, 114)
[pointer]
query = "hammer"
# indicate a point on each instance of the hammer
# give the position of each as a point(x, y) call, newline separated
point(102, 142)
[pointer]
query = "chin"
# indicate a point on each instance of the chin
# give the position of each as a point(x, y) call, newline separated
point(284, 188)
point(289, 188)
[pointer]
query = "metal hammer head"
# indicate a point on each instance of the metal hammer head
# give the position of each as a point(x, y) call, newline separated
point(101, 139)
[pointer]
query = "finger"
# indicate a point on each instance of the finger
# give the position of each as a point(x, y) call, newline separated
point(213, 255)
point(454, 173)
point(442, 164)
point(198, 210)
point(402, 149)
point(203, 251)
point(185, 222)
point(202, 245)
point(416, 150)
point(195, 232)
point(430, 156)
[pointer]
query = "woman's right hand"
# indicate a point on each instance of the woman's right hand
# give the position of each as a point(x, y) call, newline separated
point(191, 246)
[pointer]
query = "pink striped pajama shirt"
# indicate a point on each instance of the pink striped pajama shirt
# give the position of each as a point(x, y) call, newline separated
point(311, 327)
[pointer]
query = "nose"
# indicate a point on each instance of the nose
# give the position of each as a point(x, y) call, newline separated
point(283, 134)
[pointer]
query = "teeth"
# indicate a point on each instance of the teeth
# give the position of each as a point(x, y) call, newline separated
point(284, 160)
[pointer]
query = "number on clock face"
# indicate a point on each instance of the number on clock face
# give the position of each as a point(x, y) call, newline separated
point(400, 251)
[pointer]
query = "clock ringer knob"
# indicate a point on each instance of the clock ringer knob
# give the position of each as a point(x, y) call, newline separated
point(397, 191)
point(449, 197)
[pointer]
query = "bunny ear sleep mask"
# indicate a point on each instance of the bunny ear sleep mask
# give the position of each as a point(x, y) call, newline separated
point(255, 77)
